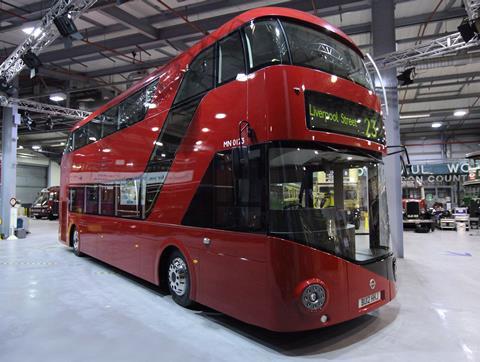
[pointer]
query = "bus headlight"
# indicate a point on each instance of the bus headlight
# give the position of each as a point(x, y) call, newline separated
point(313, 297)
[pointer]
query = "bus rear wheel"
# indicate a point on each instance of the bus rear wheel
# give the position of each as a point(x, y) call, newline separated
point(179, 279)
point(76, 242)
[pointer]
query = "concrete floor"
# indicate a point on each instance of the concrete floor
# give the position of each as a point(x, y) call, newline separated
point(57, 307)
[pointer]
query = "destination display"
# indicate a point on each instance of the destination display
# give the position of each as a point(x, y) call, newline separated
point(329, 113)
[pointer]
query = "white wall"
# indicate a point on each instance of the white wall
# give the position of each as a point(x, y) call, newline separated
point(27, 188)
point(34, 160)
point(53, 174)
point(436, 149)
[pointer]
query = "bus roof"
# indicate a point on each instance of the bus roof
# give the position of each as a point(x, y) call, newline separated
point(219, 33)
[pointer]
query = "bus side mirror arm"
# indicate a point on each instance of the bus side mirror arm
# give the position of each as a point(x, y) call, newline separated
point(407, 167)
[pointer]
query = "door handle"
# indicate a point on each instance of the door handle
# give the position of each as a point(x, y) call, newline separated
point(206, 241)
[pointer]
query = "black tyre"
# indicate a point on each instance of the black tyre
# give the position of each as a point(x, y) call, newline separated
point(178, 278)
point(76, 242)
point(422, 228)
point(38, 217)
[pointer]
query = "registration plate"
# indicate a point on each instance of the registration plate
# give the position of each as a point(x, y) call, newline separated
point(372, 298)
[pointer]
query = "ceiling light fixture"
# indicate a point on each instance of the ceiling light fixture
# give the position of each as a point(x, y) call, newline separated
point(29, 122)
point(409, 116)
point(460, 113)
point(32, 61)
point(6, 88)
point(436, 125)
point(57, 97)
point(469, 29)
point(36, 147)
point(66, 27)
point(407, 76)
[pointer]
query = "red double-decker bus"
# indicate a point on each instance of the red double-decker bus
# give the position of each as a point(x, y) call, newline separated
point(246, 175)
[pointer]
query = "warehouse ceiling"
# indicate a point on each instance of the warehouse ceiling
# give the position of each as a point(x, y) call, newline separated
point(124, 40)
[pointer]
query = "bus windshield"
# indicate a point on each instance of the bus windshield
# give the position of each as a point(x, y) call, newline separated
point(334, 201)
point(42, 198)
point(412, 193)
point(312, 48)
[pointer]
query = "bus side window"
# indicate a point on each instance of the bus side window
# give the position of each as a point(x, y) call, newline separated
point(109, 121)
point(199, 77)
point(94, 130)
point(129, 199)
point(266, 44)
point(230, 58)
point(227, 199)
point(80, 137)
point(77, 199)
point(225, 216)
point(134, 108)
point(69, 145)
point(107, 200)
point(91, 200)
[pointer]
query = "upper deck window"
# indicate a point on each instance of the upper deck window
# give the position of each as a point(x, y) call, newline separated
point(312, 48)
point(266, 44)
point(199, 77)
point(94, 130)
point(134, 108)
point(80, 138)
point(230, 58)
point(109, 121)
point(131, 110)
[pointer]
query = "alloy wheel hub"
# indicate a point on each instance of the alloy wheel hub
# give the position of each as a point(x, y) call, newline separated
point(177, 276)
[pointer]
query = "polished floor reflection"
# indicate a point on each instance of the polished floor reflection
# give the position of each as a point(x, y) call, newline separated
point(56, 307)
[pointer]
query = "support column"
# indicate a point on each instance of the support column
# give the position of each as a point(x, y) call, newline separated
point(11, 119)
point(383, 34)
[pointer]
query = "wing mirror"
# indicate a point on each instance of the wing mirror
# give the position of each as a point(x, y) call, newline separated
point(402, 149)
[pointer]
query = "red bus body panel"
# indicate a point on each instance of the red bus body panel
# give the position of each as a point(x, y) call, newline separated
point(253, 277)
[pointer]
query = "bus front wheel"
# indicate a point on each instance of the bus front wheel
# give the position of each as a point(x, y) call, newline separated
point(76, 242)
point(179, 279)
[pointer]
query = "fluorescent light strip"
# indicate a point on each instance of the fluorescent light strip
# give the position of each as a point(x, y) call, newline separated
point(409, 116)
point(460, 113)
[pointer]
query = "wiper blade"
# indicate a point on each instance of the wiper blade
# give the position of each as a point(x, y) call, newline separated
point(356, 150)
point(368, 155)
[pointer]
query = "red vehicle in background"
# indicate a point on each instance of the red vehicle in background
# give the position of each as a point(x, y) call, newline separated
point(230, 174)
point(415, 212)
point(46, 204)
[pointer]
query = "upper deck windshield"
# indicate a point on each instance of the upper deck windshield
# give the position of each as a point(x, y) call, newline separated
point(330, 200)
point(312, 48)
point(271, 41)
